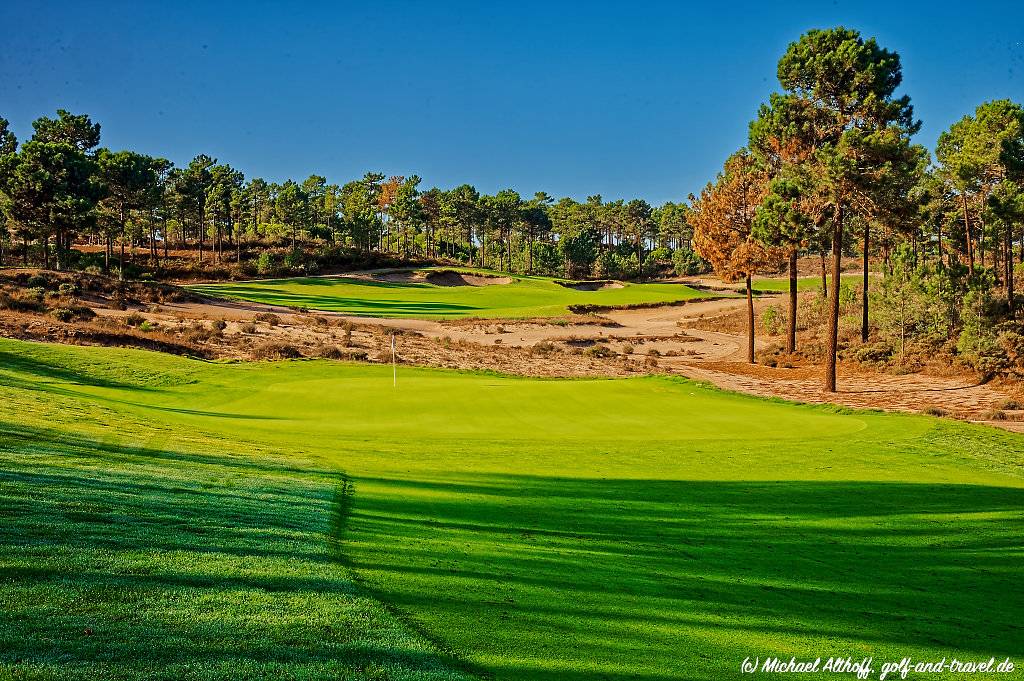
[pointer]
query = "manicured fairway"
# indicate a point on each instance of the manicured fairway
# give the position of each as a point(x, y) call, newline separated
point(802, 284)
point(306, 519)
point(523, 297)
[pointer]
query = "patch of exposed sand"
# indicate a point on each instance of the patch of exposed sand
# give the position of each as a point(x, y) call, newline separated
point(400, 277)
point(453, 278)
point(591, 285)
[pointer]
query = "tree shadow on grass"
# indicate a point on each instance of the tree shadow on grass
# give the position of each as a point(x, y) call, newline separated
point(581, 579)
point(32, 366)
point(130, 562)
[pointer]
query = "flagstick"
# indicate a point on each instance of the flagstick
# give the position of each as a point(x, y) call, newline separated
point(394, 364)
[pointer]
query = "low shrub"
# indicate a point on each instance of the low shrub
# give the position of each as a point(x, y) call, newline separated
point(71, 313)
point(69, 288)
point(22, 300)
point(63, 314)
point(331, 352)
point(275, 350)
point(542, 348)
point(134, 319)
point(268, 318)
point(199, 333)
point(599, 350)
point(773, 319)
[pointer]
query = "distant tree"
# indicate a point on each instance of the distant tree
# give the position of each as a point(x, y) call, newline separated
point(723, 221)
point(1006, 206)
point(673, 227)
point(783, 139)
point(783, 223)
point(291, 209)
point(8, 142)
point(537, 221)
point(579, 236)
point(50, 190)
point(359, 209)
point(131, 182)
point(431, 213)
point(639, 226)
point(461, 213)
point(192, 186)
point(75, 130)
point(223, 193)
point(406, 212)
point(972, 160)
point(385, 197)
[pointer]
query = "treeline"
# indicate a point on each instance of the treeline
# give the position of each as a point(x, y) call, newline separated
point(830, 166)
point(60, 186)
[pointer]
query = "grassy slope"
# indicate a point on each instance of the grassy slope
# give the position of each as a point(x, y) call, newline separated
point(646, 528)
point(524, 297)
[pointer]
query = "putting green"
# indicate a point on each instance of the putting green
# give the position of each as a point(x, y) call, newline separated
point(522, 297)
point(222, 520)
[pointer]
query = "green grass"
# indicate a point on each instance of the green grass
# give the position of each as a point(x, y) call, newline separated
point(524, 297)
point(781, 284)
point(308, 520)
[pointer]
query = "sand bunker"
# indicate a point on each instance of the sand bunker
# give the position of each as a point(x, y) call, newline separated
point(451, 278)
point(591, 285)
point(405, 277)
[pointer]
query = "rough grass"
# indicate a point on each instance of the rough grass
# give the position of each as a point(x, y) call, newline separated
point(524, 297)
point(169, 518)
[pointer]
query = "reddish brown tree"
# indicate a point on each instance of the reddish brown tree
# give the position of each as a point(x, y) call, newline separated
point(722, 218)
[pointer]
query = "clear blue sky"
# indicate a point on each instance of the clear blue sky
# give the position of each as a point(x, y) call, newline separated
point(623, 99)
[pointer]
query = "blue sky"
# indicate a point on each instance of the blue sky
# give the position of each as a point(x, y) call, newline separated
point(620, 99)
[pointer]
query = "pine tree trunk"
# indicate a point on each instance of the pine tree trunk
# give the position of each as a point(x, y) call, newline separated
point(529, 255)
point(1009, 271)
point(864, 293)
point(824, 276)
point(967, 230)
point(750, 320)
point(833, 321)
point(791, 331)
point(640, 267)
point(120, 269)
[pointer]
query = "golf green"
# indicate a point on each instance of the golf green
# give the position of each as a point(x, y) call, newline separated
point(522, 297)
point(170, 518)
